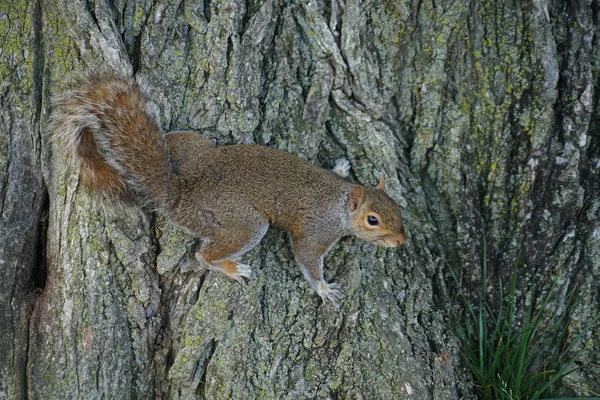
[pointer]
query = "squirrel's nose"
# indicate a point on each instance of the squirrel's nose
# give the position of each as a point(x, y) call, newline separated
point(400, 240)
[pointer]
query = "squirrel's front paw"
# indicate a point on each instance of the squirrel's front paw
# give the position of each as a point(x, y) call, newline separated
point(330, 292)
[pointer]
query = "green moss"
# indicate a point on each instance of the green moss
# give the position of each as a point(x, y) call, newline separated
point(17, 56)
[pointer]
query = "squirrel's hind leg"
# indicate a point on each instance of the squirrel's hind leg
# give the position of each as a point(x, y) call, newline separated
point(222, 251)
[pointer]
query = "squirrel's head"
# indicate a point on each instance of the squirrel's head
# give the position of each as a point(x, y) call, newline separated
point(375, 216)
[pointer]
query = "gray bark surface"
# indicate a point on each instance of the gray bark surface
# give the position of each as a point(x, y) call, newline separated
point(481, 115)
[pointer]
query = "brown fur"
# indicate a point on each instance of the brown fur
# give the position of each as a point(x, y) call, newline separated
point(104, 122)
point(96, 174)
point(227, 195)
point(230, 267)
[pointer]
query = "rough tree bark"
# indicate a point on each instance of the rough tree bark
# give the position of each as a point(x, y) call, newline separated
point(481, 114)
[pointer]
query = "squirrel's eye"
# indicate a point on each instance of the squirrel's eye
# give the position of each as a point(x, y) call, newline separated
point(372, 220)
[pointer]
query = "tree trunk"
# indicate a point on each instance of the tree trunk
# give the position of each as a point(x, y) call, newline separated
point(482, 115)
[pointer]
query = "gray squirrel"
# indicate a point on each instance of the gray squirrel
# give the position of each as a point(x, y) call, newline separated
point(226, 195)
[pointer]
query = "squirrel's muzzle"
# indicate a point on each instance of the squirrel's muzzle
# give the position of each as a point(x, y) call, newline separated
point(392, 241)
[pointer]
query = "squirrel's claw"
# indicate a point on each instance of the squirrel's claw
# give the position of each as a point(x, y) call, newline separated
point(330, 293)
point(342, 167)
point(243, 271)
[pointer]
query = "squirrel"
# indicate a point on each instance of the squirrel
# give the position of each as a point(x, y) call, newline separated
point(226, 195)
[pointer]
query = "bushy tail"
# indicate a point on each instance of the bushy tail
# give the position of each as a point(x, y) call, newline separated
point(105, 124)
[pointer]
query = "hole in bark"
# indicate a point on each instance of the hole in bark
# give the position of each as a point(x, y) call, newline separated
point(40, 270)
point(207, 13)
point(229, 50)
point(595, 11)
point(135, 54)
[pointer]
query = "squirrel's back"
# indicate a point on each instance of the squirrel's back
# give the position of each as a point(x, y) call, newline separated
point(280, 184)
point(105, 124)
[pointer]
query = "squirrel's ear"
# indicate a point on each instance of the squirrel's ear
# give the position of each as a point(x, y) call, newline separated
point(381, 184)
point(357, 197)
